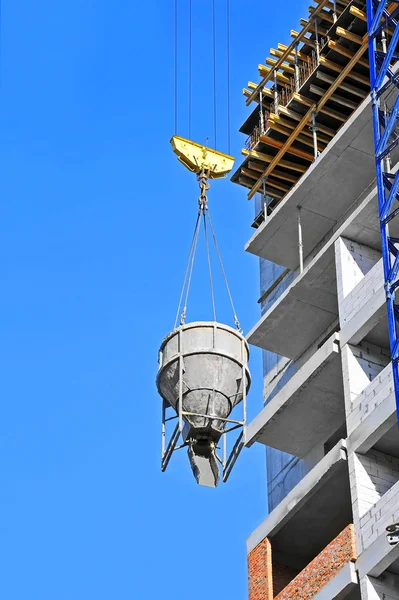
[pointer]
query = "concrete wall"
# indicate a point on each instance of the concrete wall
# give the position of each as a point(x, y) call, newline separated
point(361, 365)
point(370, 397)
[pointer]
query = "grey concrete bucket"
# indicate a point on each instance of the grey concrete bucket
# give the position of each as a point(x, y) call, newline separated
point(202, 372)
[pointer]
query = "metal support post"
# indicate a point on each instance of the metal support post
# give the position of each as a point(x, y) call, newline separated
point(300, 242)
point(180, 383)
point(276, 99)
point(383, 80)
point(244, 390)
point(296, 69)
point(261, 123)
point(264, 180)
point(163, 428)
point(335, 11)
point(314, 131)
point(316, 30)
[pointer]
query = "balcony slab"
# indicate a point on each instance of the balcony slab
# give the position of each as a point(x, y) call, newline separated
point(340, 586)
point(313, 395)
point(309, 305)
point(323, 491)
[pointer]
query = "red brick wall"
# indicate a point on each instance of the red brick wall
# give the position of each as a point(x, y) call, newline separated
point(282, 576)
point(260, 582)
point(322, 568)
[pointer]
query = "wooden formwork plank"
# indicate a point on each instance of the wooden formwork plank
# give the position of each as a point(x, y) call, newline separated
point(327, 111)
point(348, 35)
point(334, 97)
point(265, 139)
point(284, 67)
point(345, 52)
point(307, 140)
point(268, 159)
point(360, 14)
point(343, 86)
point(338, 69)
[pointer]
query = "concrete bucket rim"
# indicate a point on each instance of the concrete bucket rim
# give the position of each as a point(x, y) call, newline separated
point(194, 324)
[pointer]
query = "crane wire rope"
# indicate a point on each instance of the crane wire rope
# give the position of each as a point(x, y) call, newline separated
point(188, 273)
point(214, 69)
point(208, 254)
point(190, 67)
point(176, 64)
point(203, 212)
point(228, 75)
point(236, 321)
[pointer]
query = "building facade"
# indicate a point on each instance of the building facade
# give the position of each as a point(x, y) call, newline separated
point(329, 423)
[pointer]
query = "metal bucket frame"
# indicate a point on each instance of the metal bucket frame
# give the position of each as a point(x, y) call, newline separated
point(176, 442)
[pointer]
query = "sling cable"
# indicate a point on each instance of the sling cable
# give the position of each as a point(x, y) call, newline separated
point(203, 365)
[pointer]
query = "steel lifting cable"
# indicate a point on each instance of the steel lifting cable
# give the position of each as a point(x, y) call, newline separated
point(209, 265)
point(188, 273)
point(228, 75)
point(176, 63)
point(190, 68)
point(236, 321)
point(214, 67)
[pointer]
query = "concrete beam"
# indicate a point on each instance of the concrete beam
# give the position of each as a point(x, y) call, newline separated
point(313, 395)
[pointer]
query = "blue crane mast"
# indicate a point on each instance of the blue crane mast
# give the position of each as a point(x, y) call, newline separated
point(383, 32)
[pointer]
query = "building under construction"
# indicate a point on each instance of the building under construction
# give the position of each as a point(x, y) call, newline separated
point(320, 163)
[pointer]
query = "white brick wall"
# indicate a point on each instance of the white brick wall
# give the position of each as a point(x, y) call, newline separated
point(374, 479)
point(375, 393)
point(361, 365)
point(353, 262)
point(370, 284)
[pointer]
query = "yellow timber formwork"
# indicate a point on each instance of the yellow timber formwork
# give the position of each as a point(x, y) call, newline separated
point(308, 91)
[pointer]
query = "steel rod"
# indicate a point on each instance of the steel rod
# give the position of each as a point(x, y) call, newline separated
point(300, 242)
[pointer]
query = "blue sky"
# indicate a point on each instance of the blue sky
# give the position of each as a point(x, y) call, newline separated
point(96, 220)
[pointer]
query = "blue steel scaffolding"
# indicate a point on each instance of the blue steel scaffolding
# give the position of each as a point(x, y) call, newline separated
point(383, 30)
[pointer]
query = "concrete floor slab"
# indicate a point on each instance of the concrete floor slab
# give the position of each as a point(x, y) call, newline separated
point(308, 409)
point(298, 526)
point(309, 305)
point(340, 586)
point(302, 312)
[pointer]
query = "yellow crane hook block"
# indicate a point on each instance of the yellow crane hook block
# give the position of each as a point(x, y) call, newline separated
point(197, 157)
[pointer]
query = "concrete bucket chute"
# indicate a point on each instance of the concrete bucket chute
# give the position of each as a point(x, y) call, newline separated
point(203, 367)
